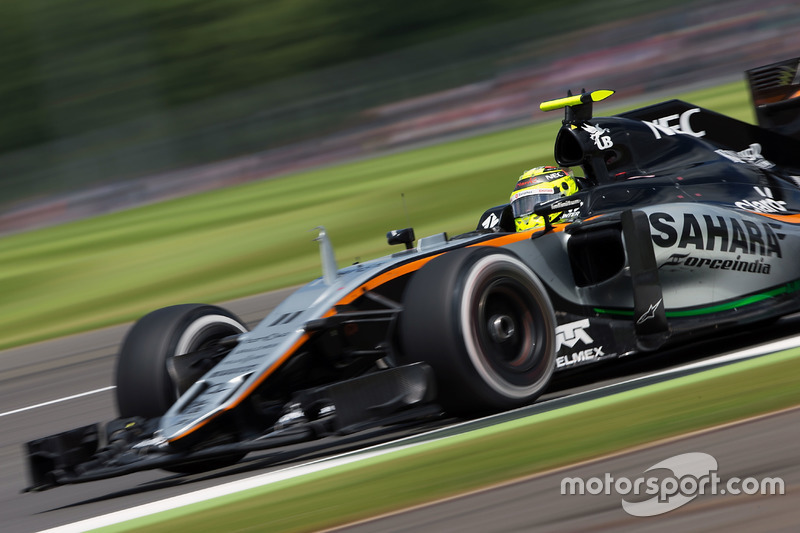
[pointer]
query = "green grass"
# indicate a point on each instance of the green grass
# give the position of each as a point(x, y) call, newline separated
point(257, 237)
point(522, 447)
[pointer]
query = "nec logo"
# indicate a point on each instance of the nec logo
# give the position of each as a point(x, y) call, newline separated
point(570, 334)
point(674, 124)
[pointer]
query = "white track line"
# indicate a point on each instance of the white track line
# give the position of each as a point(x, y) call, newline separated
point(51, 402)
point(775, 346)
point(216, 491)
point(349, 457)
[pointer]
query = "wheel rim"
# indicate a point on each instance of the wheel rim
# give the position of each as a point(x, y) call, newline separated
point(505, 327)
point(508, 326)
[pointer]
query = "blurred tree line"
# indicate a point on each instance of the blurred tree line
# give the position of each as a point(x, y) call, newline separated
point(72, 66)
point(69, 66)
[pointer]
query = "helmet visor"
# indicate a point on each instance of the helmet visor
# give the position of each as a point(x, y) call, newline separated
point(523, 202)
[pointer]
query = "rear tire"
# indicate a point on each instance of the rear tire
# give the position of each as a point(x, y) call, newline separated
point(482, 319)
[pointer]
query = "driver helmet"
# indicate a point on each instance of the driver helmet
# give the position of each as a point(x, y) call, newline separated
point(538, 185)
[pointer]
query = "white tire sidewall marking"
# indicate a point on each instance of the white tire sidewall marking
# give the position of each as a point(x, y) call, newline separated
point(486, 372)
point(191, 332)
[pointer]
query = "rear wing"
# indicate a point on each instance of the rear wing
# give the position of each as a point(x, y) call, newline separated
point(775, 89)
point(764, 147)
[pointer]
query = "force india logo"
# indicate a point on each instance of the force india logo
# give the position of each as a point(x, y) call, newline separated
point(757, 266)
point(570, 335)
point(749, 242)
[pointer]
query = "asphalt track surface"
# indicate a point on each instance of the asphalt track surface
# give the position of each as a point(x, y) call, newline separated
point(33, 376)
point(763, 447)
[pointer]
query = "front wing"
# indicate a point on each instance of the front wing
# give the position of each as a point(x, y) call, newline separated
point(384, 399)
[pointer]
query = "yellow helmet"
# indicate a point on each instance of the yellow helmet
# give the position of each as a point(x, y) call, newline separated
point(538, 185)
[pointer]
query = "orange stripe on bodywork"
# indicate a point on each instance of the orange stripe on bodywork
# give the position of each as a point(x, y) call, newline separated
point(791, 219)
point(516, 237)
point(419, 263)
point(375, 282)
point(253, 386)
point(371, 284)
point(507, 239)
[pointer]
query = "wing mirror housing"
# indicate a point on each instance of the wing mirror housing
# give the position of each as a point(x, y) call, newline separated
point(401, 236)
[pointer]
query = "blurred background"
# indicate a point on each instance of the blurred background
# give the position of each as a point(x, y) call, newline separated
point(106, 105)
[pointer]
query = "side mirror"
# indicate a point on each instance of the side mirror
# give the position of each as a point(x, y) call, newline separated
point(401, 236)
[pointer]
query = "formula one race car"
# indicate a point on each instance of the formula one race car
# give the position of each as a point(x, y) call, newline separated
point(689, 224)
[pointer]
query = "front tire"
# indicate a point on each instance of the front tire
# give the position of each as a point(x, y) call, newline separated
point(148, 379)
point(145, 385)
point(482, 319)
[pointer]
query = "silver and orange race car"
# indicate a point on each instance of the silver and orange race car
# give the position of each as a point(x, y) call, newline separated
point(687, 225)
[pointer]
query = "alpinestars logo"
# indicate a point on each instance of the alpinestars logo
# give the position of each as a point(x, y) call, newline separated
point(650, 313)
point(490, 222)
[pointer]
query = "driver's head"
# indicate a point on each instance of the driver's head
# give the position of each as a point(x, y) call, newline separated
point(538, 185)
